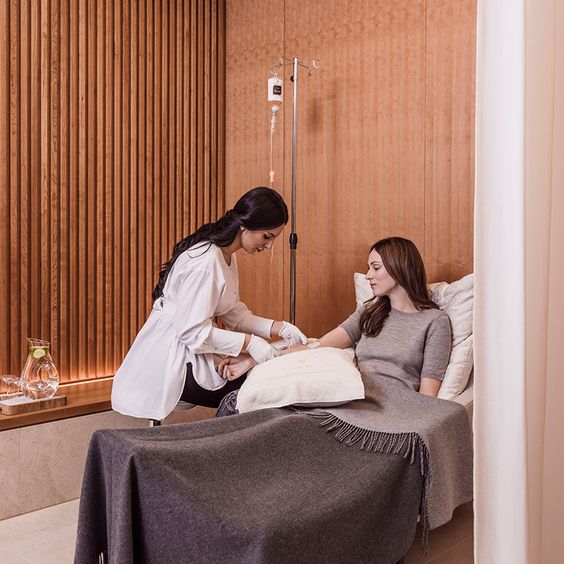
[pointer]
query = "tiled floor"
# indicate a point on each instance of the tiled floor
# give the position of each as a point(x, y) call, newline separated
point(47, 536)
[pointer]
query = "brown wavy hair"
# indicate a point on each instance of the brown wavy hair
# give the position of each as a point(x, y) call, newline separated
point(405, 265)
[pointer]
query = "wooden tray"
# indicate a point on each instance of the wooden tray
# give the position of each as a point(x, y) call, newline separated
point(16, 406)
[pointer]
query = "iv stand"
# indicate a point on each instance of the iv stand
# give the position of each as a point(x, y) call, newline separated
point(316, 63)
point(293, 234)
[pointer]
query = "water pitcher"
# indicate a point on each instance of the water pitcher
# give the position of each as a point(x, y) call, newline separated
point(40, 378)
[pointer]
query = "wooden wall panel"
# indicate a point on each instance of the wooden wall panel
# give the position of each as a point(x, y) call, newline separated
point(361, 142)
point(254, 39)
point(449, 155)
point(111, 149)
point(373, 155)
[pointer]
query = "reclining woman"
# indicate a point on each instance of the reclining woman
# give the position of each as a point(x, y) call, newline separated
point(271, 485)
point(400, 333)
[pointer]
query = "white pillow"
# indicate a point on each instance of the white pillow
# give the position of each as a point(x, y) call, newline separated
point(315, 378)
point(457, 300)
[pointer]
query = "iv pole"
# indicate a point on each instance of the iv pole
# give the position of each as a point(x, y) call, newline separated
point(293, 234)
point(316, 63)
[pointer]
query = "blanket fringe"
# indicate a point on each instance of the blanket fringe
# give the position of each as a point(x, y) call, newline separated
point(410, 445)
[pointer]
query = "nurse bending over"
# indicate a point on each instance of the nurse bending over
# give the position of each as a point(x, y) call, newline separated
point(176, 354)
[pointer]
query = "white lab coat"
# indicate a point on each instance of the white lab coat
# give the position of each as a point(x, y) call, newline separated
point(180, 329)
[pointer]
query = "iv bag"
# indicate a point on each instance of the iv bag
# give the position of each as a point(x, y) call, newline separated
point(275, 89)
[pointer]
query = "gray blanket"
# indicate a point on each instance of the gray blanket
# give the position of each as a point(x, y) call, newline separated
point(396, 419)
point(264, 487)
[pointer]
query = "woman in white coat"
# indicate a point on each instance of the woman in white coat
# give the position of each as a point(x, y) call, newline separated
point(178, 350)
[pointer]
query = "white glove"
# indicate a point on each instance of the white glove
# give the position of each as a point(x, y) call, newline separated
point(261, 350)
point(291, 334)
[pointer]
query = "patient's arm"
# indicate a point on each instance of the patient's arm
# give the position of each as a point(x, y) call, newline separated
point(338, 338)
point(429, 386)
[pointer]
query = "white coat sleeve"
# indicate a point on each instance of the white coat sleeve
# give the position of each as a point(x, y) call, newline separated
point(196, 304)
point(241, 318)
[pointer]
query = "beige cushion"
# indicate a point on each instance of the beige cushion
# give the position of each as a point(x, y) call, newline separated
point(314, 378)
point(457, 300)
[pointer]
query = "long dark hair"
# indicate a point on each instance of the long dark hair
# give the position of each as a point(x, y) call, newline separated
point(259, 208)
point(405, 265)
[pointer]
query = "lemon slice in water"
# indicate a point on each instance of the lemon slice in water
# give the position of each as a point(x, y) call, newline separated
point(38, 352)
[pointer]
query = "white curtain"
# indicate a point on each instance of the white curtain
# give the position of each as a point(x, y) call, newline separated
point(519, 265)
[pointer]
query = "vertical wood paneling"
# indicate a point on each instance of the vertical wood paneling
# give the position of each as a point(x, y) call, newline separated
point(92, 274)
point(361, 143)
point(110, 329)
point(449, 171)
point(127, 286)
point(73, 207)
point(385, 139)
point(100, 162)
point(254, 43)
point(5, 130)
point(149, 146)
point(33, 201)
point(21, 198)
point(82, 187)
point(11, 244)
point(53, 242)
point(111, 124)
point(62, 353)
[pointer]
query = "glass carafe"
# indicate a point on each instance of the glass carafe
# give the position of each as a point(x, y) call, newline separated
point(40, 378)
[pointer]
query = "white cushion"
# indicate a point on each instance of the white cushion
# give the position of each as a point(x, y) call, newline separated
point(314, 378)
point(457, 300)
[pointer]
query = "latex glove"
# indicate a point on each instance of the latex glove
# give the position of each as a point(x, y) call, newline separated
point(291, 334)
point(260, 349)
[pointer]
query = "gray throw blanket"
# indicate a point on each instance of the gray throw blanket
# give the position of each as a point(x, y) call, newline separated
point(264, 487)
point(395, 419)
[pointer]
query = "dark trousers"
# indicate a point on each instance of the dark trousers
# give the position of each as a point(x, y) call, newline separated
point(194, 393)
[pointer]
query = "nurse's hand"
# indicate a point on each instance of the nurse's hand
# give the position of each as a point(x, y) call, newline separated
point(260, 349)
point(291, 334)
point(232, 368)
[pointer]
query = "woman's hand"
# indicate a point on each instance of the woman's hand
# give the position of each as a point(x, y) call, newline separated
point(232, 368)
point(260, 350)
point(290, 333)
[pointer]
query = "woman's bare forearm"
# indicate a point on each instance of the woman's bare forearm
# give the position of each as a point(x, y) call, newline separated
point(337, 338)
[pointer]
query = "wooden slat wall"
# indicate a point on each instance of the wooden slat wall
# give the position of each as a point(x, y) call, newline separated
point(449, 155)
point(111, 149)
point(385, 139)
point(254, 43)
